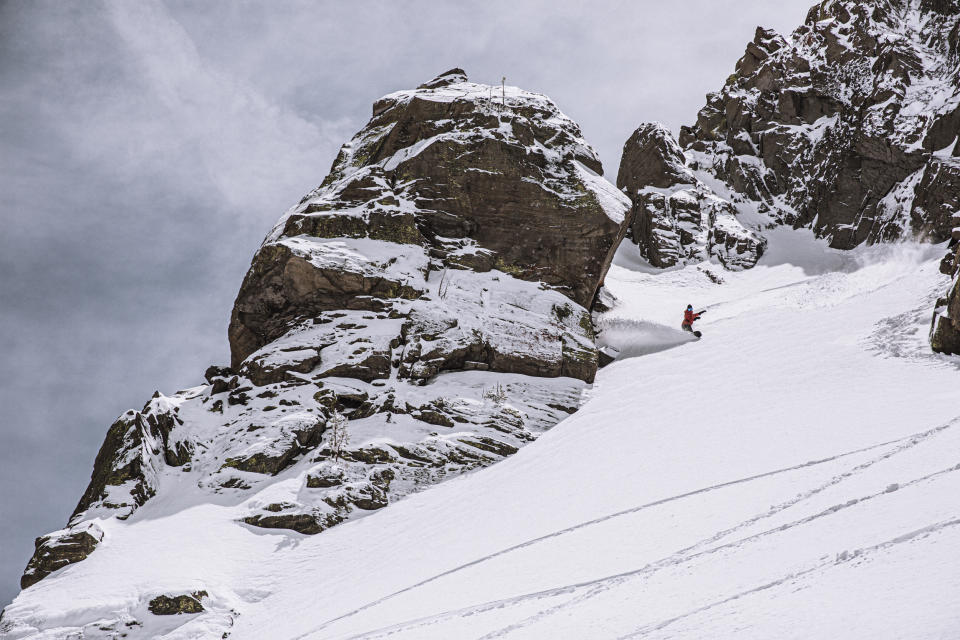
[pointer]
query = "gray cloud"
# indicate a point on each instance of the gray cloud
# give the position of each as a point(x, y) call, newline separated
point(146, 148)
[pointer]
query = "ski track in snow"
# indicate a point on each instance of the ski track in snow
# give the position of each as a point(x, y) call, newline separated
point(684, 555)
point(817, 456)
point(894, 336)
point(605, 583)
point(859, 553)
point(902, 445)
point(901, 335)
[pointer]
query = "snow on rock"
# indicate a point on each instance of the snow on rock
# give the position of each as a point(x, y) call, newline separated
point(792, 474)
point(454, 174)
point(432, 294)
point(676, 218)
point(431, 300)
point(848, 126)
point(820, 127)
point(945, 328)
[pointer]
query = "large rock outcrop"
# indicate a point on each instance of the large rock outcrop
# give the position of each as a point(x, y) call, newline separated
point(849, 125)
point(432, 295)
point(945, 328)
point(676, 218)
point(441, 178)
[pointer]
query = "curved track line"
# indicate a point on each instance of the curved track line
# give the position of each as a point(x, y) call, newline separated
point(856, 554)
point(678, 559)
point(604, 583)
point(911, 440)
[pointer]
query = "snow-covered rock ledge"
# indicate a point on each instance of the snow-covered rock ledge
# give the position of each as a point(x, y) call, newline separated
point(430, 301)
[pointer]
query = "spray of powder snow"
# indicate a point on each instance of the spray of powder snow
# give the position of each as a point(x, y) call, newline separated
point(631, 338)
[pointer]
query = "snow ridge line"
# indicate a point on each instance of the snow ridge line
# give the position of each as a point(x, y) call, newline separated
point(919, 436)
point(599, 585)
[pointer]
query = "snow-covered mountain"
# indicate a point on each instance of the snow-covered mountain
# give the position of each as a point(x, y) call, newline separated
point(443, 301)
point(429, 300)
point(791, 475)
point(847, 126)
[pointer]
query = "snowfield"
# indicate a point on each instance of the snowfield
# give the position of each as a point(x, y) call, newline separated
point(793, 474)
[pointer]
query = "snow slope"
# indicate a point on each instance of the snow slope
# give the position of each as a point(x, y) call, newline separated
point(793, 474)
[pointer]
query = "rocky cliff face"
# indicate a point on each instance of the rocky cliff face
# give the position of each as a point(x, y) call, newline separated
point(945, 329)
point(676, 217)
point(432, 295)
point(848, 125)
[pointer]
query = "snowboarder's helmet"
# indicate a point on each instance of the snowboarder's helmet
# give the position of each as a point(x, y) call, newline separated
point(689, 307)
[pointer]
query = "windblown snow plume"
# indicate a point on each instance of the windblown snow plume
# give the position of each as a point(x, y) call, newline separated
point(625, 338)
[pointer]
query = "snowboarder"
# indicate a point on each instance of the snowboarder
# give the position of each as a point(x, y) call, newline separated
point(688, 319)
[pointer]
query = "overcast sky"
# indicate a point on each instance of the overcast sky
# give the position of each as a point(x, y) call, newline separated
point(147, 147)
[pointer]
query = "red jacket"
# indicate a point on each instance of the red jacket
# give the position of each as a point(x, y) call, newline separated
point(689, 316)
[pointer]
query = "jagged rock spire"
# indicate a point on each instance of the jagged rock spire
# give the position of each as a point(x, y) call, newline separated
point(453, 76)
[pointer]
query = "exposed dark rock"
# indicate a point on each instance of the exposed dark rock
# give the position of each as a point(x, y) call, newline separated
point(822, 128)
point(281, 451)
point(214, 372)
point(453, 76)
point(850, 126)
point(432, 416)
point(305, 523)
point(262, 371)
point(370, 498)
point(221, 384)
point(454, 236)
point(945, 328)
point(282, 287)
point(367, 363)
point(652, 158)
point(124, 471)
point(675, 217)
point(112, 467)
point(370, 455)
point(164, 605)
point(491, 446)
point(59, 549)
point(435, 169)
point(936, 203)
point(324, 481)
